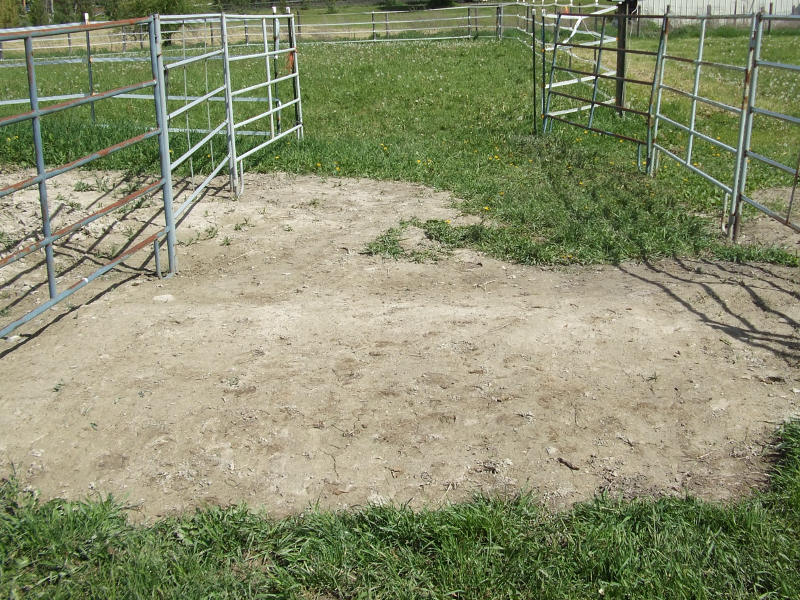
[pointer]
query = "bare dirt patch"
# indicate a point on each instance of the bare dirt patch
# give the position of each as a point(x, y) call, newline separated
point(284, 368)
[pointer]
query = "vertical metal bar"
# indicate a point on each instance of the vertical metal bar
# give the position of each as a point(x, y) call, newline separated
point(374, 37)
point(769, 24)
point(160, 98)
point(469, 22)
point(695, 91)
point(794, 190)
point(276, 34)
point(534, 80)
point(157, 257)
point(544, 65)
point(548, 121)
point(186, 94)
point(89, 65)
point(40, 168)
point(745, 125)
point(622, 45)
point(597, 72)
point(654, 160)
point(269, 77)
point(298, 109)
point(226, 67)
point(655, 92)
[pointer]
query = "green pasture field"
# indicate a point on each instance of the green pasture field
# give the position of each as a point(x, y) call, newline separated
point(457, 116)
point(489, 548)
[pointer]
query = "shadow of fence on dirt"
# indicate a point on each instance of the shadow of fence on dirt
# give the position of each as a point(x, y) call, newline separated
point(710, 278)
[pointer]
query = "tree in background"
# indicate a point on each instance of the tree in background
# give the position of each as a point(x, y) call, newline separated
point(37, 13)
point(9, 13)
point(71, 11)
point(125, 9)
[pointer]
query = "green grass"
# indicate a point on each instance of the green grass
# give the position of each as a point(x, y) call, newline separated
point(456, 116)
point(487, 548)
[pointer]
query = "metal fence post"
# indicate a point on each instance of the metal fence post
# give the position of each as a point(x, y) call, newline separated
point(89, 64)
point(745, 125)
point(226, 67)
point(622, 44)
point(499, 26)
point(533, 73)
point(373, 26)
point(298, 109)
point(269, 77)
point(655, 99)
point(160, 98)
point(276, 34)
point(40, 168)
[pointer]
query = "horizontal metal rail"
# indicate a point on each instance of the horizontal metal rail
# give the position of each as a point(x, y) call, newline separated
point(283, 134)
point(195, 101)
point(188, 154)
point(769, 212)
point(776, 115)
point(238, 57)
point(725, 188)
point(705, 63)
point(597, 130)
point(603, 76)
point(22, 252)
point(696, 133)
point(603, 104)
point(76, 286)
point(771, 162)
point(702, 99)
point(7, 35)
point(168, 65)
point(84, 99)
point(202, 187)
point(77, 163)
point(267, 113)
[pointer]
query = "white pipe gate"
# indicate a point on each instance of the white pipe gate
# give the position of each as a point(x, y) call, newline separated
point(272, 37)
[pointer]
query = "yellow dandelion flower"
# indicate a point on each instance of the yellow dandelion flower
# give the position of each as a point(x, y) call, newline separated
point(319, 164)
point(485, 208)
